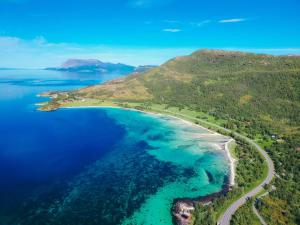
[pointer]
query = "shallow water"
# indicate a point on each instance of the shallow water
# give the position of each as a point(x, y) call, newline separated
point(96, 166)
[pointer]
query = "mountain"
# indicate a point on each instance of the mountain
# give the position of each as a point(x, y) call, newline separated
point(226, 84)
point(253, 94)
point(96, 66)
point(222, 83)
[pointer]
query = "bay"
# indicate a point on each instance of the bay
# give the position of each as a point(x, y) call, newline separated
point(96, 165)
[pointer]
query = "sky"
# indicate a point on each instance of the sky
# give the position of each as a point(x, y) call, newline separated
point(44, 33)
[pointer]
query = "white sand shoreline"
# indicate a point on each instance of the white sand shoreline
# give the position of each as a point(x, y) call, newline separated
point(226, 146)
point(232, 163)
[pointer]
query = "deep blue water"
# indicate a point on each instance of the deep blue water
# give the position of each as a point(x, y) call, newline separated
point(96, 166)
point(37, 148)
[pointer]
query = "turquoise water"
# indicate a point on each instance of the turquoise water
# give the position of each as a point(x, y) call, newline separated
point(191, 148)
point(97, 165)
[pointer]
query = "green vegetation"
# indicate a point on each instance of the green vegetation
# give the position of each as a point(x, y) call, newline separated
point(255, 95)
point(245, 215)
point(232, 147)
point(282, 206)
point(204, 215)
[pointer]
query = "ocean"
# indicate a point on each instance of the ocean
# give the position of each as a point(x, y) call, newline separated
point(96, 165)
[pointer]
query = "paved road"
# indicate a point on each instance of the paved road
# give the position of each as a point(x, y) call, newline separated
point(226, 217)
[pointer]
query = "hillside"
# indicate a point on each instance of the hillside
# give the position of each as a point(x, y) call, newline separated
point(225, 84)
point(255, 95)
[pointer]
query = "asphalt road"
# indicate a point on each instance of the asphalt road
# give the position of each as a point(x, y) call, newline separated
point(226, 217)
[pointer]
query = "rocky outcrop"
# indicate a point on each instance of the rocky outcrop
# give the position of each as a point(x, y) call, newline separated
point(183, 212)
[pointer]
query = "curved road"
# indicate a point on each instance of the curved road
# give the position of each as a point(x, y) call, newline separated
point(226, 217)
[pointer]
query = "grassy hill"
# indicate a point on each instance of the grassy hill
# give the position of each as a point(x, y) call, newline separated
point(256, 95)
point(231, 85)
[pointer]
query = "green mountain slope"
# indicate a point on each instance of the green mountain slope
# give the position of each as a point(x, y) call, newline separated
point(231, 85)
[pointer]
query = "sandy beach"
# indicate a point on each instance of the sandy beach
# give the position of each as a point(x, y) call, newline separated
point(189, 123)
point(232, 163)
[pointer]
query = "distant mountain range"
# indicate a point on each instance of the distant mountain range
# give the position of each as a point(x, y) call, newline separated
point(97, 66)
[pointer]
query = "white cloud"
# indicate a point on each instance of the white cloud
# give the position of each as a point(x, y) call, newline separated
point(39, 53)
point(235, 20)
point(200, 24)
point(6, 41)
point(40, 40)
point(147, 3)
point(203, 23)
point(172, 30)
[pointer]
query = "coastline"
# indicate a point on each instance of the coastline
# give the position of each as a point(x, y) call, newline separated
point(148, 112)
point(232, 160)
point(178, 215)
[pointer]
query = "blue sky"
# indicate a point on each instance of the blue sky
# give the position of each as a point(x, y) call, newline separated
point(40, 33)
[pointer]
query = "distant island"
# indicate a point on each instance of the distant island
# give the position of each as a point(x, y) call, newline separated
point(99, 67)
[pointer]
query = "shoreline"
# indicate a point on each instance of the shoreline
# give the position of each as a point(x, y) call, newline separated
point(232, 160)
point(148, 112)
point(190, 203)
